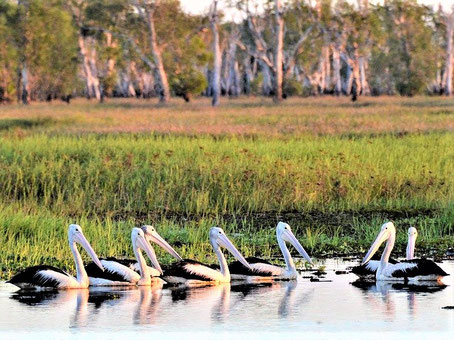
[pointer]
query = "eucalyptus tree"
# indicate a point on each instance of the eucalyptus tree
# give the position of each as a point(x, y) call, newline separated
point(216, 74)
point(407, 51)
point(87, 47)
point(46, 50)
point(448, 69)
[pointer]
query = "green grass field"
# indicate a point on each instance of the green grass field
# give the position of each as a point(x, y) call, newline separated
point(333, 169)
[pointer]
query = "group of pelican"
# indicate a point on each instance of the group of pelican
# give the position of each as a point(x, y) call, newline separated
point(387, 269)
point(119, 272)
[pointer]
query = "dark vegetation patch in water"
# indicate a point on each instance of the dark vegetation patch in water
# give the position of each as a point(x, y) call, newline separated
point(344, 219)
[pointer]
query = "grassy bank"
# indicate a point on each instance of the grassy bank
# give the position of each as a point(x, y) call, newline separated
point(334, 170)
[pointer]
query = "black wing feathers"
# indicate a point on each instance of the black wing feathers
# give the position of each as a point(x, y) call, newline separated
point(29, 277)
point(424, 267)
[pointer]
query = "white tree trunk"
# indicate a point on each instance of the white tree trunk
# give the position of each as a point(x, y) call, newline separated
point(365, 90)
point(449, 60)
point(161, 75)
point(327, 69)
point(279, 51)
point(216, 76)
point(91, 79)
point(348, 80)
point(110, 64)
point(24, 85)
point(336, 70)
point(233, 77)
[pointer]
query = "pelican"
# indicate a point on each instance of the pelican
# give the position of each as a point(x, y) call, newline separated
point(367, 271)
point(263, 270)
point(152, 236)
point(408, 270)
point(48, 277)
point(191, 272)
point(123, 272)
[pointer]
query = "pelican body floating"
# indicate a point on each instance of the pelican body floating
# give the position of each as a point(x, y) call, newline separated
point(263, 270)
point(48, 277)
point(120, 272)
point(408, 270)
point(190, 272)
point(368, 271)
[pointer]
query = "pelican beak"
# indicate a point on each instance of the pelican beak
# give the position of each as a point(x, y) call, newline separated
point(411, 246)
point(290, 237)
point(224, 241)
point(382, 237)
point(145, 246)
point(156, 238)
point(80, 238)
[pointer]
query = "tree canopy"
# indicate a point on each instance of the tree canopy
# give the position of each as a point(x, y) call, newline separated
point(132, 48)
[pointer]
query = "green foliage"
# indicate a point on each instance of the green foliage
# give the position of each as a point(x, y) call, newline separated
point(406, 58)
point(8, 51)
point(190, 82)
point(256, 85)
point(292, 87)
point(48, 45)
point(186, 52)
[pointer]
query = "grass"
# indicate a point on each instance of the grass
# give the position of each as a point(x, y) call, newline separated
point(333, 169)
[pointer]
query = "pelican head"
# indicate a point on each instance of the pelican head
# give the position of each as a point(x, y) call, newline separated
point(152, 236)
point(75, 235)
point(284, 232)
point(219, 239)
point(139, 241)
point(412, 235)
point(387, 229)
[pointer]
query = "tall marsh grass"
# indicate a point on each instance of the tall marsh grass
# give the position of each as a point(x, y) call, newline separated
point(333, 169)
point(122, 176)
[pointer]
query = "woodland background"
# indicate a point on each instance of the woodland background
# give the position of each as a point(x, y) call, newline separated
point(139, 48)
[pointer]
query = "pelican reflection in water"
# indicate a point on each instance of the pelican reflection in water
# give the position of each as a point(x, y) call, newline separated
point(381, 293)
point(148, 305)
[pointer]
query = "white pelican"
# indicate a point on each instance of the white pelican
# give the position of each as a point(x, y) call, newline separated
point(53, 278)
point(367, 271)
point(191, 272)
point(152, 236)
point(263, 270)
point(408, 270)
point(122, 272)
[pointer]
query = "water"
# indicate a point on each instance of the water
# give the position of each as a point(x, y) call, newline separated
point(302, 309)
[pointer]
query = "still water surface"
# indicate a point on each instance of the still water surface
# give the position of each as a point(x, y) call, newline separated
point(302, 309)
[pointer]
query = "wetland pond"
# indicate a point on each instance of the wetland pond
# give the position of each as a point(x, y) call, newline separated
point(330, 307)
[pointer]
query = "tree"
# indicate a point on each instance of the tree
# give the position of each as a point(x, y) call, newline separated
point(8, 51)
point(216, 77)
point(447, 78)
point(279, 50)
point(46, 50)
point(407, 51)
point(147, 10)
